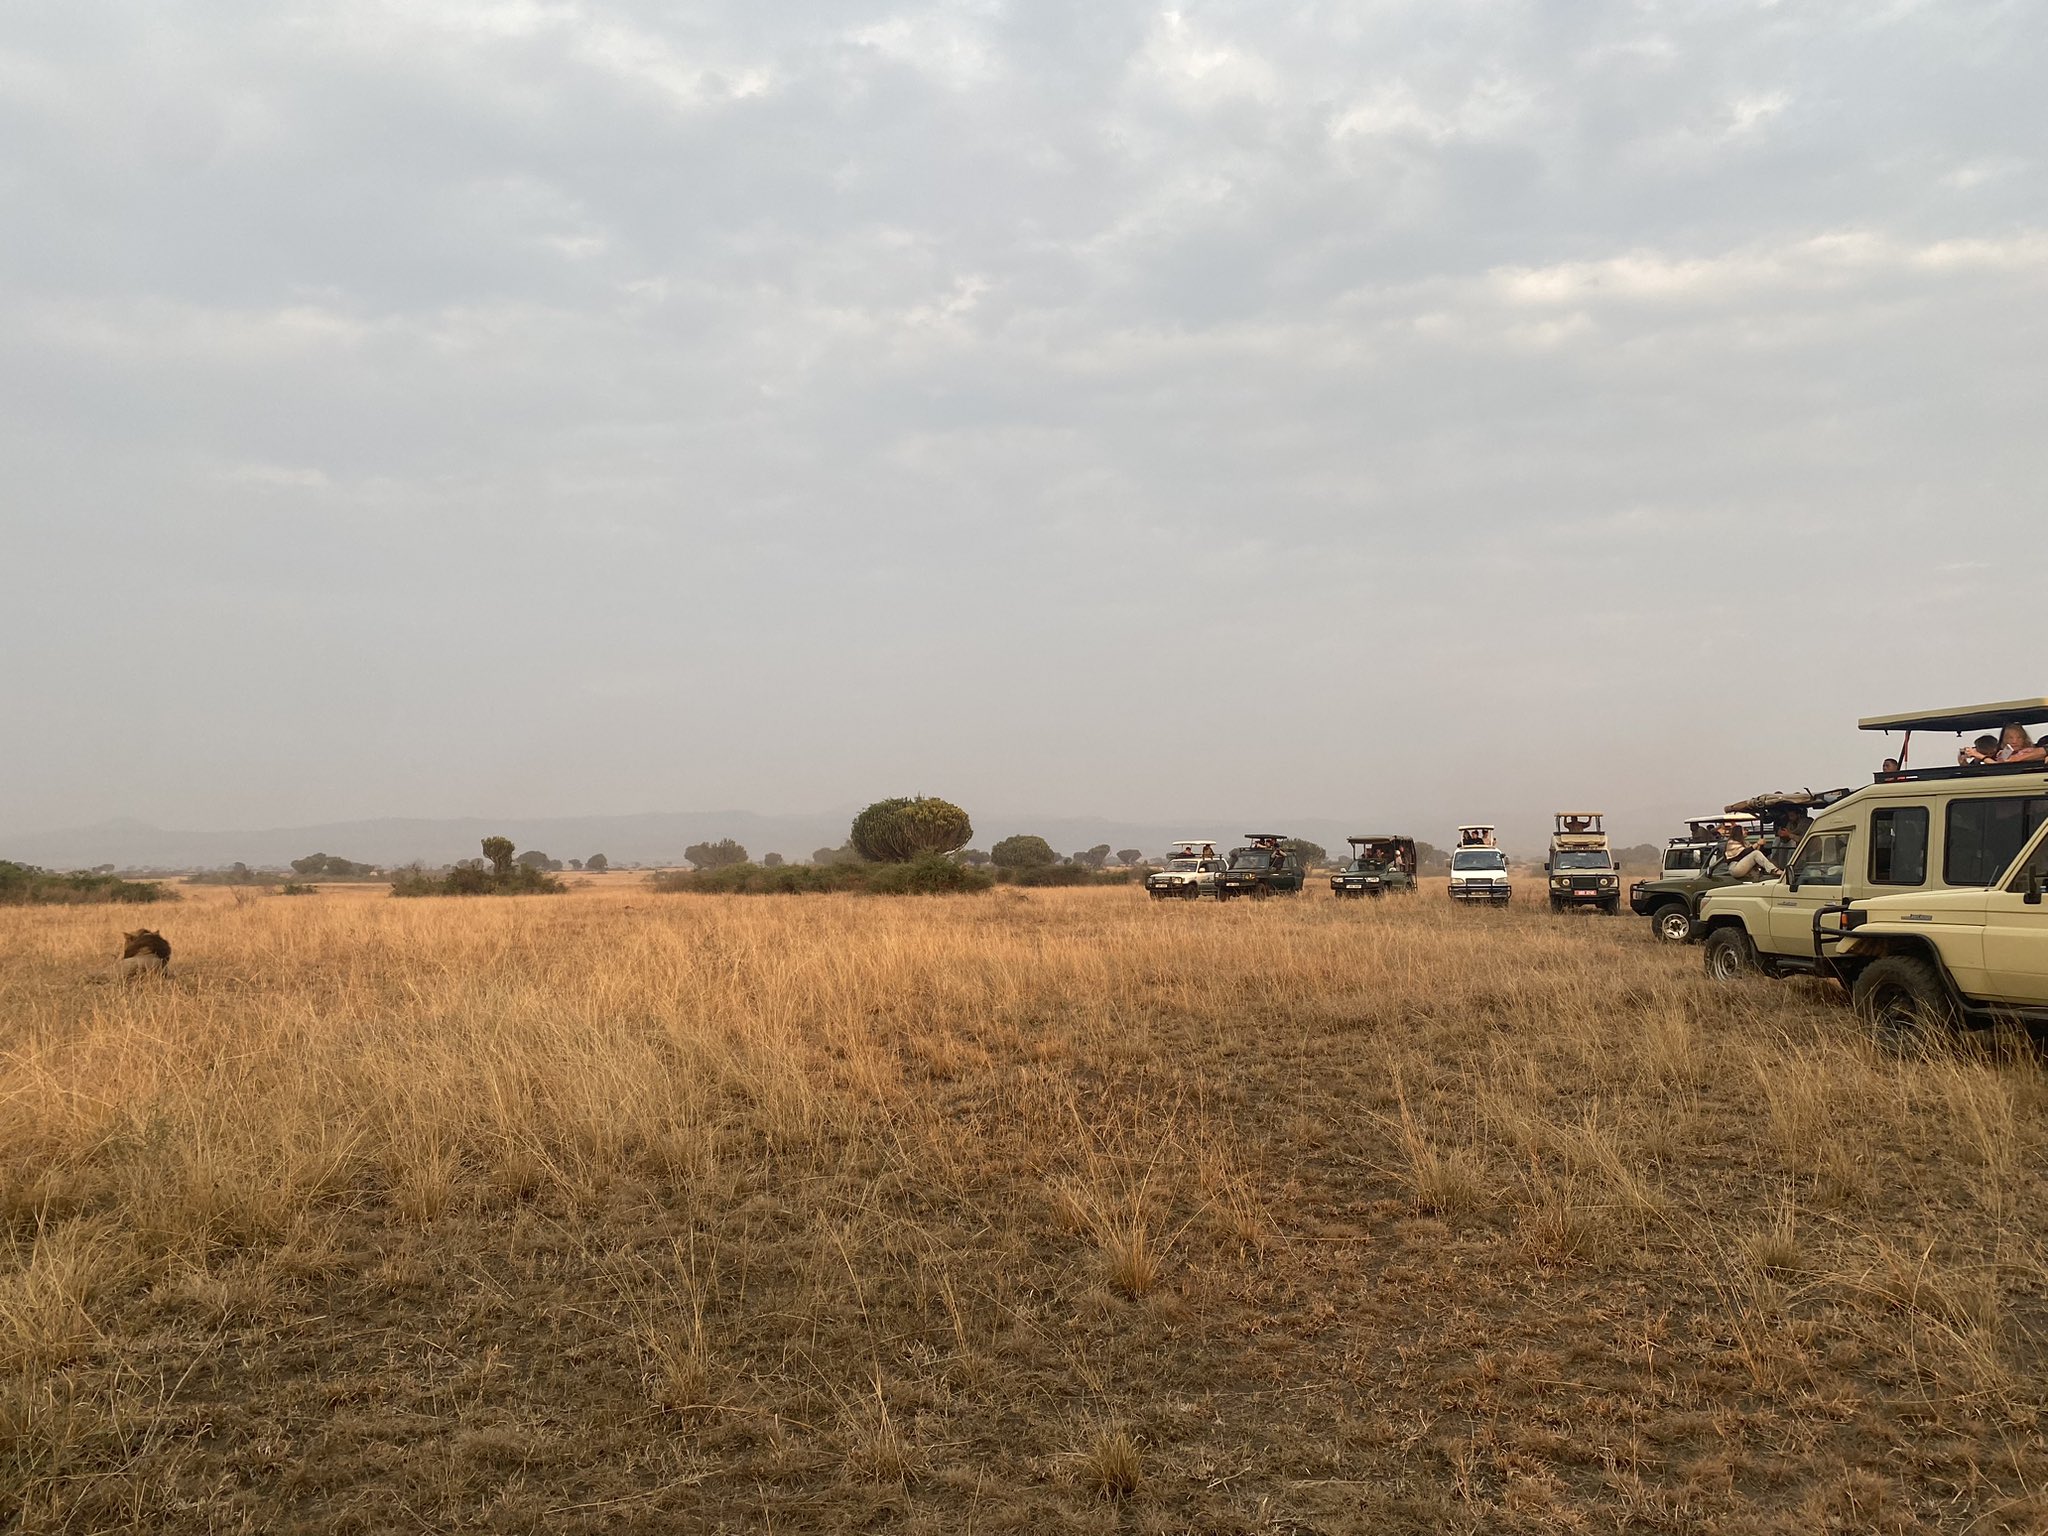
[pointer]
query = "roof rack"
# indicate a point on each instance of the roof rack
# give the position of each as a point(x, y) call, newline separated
point(1969, 717)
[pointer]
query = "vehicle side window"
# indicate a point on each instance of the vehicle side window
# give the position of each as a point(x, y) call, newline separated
point(1984, 836)
point(2036, 868)
point(1898, 845)
point(1821, 859)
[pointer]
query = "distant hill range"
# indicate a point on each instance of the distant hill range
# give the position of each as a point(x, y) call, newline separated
point(651, 838)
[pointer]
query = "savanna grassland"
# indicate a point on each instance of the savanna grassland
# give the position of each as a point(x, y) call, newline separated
point(1036, 1211)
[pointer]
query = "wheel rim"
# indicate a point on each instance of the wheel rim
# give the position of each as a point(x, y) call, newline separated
point(1895, 1015)
point(1727, 964)
point(1672, 927)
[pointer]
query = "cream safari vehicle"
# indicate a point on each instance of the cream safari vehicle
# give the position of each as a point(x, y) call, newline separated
point(1479, 870)
point(1191, 872)
point(1921, 892)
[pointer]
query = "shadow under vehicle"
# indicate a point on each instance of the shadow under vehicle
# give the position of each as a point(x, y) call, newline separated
point(1581, 865)
point(1378, 865)
point(1479, 870)
point(1922, 892)
point(1191, 872)
point(1262, 868)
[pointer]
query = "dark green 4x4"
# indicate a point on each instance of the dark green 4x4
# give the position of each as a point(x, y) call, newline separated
point(1263, 868)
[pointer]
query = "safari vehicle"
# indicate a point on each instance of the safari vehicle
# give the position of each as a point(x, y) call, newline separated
point(1479, 870)
point(1262, 868)
point(1378, 865)
point(1191, 872)
point(1672, 901)
point(1580, 864)
point(1921, 893)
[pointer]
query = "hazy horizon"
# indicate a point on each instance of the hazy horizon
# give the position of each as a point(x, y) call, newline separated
point(1415, 412)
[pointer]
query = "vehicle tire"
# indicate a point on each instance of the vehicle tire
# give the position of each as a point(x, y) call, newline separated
point(1905, 1004)
point(1194, 893)
point(1729, 953)
point(1612, 906)
point(1556, 905)
point(1671, 923)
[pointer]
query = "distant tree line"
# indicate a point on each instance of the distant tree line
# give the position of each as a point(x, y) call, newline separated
point(24, 885)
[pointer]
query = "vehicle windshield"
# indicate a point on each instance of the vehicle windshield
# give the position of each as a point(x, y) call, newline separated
point(1479, 858)
point(1183, 863)
point(1255, 858)
point(1580, 858)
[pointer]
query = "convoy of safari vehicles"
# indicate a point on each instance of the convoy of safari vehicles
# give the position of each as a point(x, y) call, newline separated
point(1479, 870)
point(1924, 894)
point(1580, 864)
point(1921, 893)
point(1379, 865)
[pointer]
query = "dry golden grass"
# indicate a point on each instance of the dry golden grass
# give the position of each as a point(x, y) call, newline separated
point(1030, 1211)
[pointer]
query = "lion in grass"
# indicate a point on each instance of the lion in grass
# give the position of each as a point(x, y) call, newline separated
point(144, 953)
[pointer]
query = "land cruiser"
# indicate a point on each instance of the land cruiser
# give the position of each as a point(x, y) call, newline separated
point(1580, 866)
point(1191, 872)
point(1921, 892)
point(1378, 865)
point(1262, 868)
point(1696, 864)
point(1479, 870)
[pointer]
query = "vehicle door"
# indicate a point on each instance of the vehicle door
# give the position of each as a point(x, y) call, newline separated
point(1813, 880)
point(2016, 931)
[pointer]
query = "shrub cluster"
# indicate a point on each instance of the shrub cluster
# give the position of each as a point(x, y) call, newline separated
point(23, 885)
point(498, 873)
point(929, 875)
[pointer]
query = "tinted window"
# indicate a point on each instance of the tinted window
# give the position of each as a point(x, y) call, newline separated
point(1580, 858)
point(1483, 858)
point(1821, 858)
point(1984, 836)
point(1898, 846)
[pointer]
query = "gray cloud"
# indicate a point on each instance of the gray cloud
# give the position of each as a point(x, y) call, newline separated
point(1416, 408)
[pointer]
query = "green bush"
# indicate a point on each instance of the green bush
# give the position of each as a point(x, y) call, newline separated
point(502, 876)
point(23, 885)
point(931, 874)
point(898, 831)
point(1023, 852)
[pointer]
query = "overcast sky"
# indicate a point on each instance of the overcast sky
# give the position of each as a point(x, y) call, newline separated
point(1411, 410)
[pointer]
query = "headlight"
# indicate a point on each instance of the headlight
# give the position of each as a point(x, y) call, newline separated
point(1607, 880)
point(1561, 880)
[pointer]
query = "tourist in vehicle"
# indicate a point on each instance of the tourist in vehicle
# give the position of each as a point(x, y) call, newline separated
point(1891, 766)
point(2012, 745)
point(1744, 859)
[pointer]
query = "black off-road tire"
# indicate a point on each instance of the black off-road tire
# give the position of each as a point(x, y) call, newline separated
point(1905, 1003)
point(1612, 906)
point(1672, 923)
point(1194, 893)
point(1556, 906)
point(1728, 953)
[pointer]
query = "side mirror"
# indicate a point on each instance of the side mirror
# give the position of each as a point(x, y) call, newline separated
point(1546, 866)
point(2033, 896)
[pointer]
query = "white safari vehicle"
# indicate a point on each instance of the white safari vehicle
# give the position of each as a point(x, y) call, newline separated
point(1920, 892)
point(1192, 871)
point(1479, 870)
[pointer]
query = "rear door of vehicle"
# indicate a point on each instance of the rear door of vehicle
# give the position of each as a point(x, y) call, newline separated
point(2016, 932)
